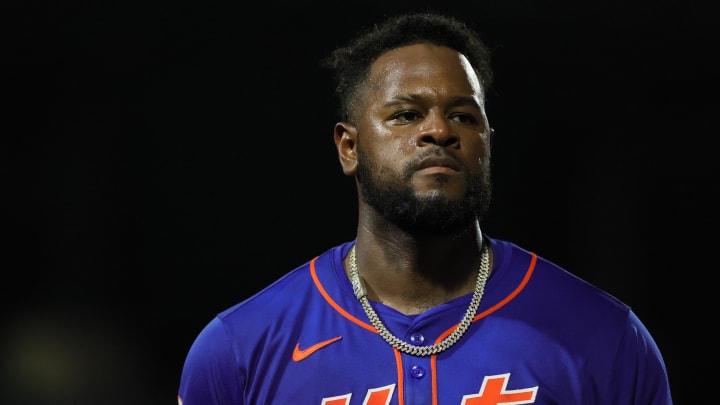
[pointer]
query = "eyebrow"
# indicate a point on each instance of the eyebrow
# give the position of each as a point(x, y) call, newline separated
point(413, 97)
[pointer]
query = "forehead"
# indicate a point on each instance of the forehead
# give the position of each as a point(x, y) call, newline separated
point(424, 64)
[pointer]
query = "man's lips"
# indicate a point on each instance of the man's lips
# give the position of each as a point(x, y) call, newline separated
point(438, 164)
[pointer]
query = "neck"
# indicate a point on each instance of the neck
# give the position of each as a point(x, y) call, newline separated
point(449, 340)
point(413, 274)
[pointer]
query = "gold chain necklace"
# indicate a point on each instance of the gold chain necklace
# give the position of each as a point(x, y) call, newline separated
point(408, 348)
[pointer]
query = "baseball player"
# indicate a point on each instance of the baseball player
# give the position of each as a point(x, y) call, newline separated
point(422, 307)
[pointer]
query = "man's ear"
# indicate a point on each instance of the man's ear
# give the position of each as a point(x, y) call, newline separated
point(345, 136)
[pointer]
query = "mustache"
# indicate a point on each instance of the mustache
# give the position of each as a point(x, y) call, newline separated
point(436, 156)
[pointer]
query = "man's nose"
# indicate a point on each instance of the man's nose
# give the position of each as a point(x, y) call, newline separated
point(437, 130)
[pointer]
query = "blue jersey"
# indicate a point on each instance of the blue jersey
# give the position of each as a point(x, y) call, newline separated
point(540, 336)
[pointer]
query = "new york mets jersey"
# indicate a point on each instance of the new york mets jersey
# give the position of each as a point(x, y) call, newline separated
point(540, 336)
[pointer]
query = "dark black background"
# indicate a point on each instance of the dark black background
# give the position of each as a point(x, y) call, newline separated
point(165, 159)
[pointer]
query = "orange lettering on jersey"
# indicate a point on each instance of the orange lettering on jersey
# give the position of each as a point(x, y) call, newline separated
point(375, 396)
point(493, 392)
point(339, 400)
point(379, 396)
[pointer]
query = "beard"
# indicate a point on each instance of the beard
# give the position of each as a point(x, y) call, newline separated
point(392, 196)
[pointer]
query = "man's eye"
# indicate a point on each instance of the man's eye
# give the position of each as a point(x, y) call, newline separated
point(465, 118)
point(406, 116)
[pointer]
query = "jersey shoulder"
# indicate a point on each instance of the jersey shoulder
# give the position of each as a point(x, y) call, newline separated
point(292, 296)
point(547, 279)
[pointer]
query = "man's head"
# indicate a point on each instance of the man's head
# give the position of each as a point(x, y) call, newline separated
point(416, 136)
point(350, 64)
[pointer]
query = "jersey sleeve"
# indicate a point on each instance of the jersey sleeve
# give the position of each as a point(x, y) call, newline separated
point(640, 368)
point(210, 375)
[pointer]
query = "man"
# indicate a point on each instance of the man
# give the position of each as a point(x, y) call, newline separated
point(422, 307)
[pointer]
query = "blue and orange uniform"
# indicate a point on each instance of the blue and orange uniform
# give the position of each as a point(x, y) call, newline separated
point(541, 336)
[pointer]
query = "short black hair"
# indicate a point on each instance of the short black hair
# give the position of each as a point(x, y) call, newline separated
point(350, 64)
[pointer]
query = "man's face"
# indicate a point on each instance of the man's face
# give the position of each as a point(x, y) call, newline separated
point(424, 140)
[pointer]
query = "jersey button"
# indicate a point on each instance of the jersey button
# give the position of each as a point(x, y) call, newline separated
point(417, 372)
point(417, 339)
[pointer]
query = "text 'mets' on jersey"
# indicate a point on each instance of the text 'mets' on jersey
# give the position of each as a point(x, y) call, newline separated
point(541, 336)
